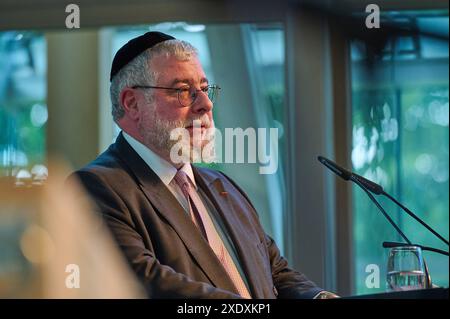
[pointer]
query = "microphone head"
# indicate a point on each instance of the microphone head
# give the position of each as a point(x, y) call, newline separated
point(342, 172)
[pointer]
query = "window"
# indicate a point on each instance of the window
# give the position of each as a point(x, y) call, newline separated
point(400, 122)
point(23, 116)
point(23, 109)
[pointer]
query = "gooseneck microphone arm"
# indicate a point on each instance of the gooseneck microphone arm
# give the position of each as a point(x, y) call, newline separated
point(410, 213)
point(377, 189)
point(382, 210)
point(369, 186)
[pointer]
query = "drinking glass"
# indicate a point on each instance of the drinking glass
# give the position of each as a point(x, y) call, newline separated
point(405, 269)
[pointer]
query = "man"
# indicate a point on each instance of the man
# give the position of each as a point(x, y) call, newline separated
point(187, 232)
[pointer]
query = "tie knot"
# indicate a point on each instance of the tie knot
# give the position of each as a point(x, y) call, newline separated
point(182, 180)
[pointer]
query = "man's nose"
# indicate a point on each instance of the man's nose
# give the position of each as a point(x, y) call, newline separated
point(202, 103)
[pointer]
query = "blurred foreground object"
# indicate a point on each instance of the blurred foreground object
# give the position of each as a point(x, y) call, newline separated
point(52, 245)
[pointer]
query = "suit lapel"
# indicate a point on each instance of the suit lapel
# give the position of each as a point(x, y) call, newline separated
point(245, 245)
point(169, 208)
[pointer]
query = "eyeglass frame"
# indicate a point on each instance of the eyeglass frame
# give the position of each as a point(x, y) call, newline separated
point(179, 90)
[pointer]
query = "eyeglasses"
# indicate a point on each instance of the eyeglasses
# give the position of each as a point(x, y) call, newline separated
point(187, 94)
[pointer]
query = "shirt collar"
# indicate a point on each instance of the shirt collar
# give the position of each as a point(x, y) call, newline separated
point(165, 170)
point(187, 168)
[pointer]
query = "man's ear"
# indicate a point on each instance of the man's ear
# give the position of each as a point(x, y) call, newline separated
point(129, 102)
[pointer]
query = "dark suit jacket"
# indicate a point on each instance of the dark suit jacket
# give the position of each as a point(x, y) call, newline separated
point(164, 247)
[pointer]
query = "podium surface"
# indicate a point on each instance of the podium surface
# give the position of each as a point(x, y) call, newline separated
point(435, 293)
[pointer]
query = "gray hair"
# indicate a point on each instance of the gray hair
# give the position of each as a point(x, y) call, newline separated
point(138, 71)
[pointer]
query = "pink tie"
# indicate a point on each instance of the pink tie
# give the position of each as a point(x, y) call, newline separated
point(203, 221)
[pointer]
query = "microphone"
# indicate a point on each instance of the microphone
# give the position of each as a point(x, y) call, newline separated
point(347, 175)
point(367, 186)
point(342, 172)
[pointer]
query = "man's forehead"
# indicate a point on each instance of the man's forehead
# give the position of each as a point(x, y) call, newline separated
point(167, 61)
point(172, 70)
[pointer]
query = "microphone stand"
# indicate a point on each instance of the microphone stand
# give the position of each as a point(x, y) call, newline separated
point(410, 213)
point(371, 187)
point(372, 198)
point(378, 190)
point(429, 283)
